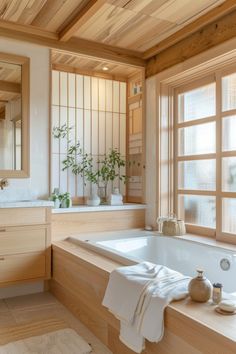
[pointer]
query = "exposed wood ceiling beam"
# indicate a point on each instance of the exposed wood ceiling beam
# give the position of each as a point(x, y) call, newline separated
point(74, 45)
point(6, 86)
point(219, 11)
point(207, 37)
point(80, 18)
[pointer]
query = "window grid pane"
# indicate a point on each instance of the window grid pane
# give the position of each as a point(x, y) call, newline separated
point(197, 103)
point(229, 133)
point(229, 215)
point(197, 139)
point(199, 174)
point(229, 92)
point(198, 210)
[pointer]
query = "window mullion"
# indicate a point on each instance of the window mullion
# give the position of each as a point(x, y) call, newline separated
point(218, 155)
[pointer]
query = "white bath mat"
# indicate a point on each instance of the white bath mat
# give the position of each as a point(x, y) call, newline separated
point(64, 341)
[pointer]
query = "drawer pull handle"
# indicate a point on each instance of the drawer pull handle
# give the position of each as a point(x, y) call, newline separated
point(3, 230)
point(2, 259)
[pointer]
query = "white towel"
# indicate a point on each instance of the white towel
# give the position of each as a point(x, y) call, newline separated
point(137, 296)
point(129, 281)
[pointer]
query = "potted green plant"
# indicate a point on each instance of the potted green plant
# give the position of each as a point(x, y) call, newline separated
point(109, 171)
point(65, 200)
point(106, 171)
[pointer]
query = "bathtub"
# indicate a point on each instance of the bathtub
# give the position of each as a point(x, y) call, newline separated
point(183, 255)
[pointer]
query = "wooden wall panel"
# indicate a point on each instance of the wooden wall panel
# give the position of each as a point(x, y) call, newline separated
point(136, 141)
point(64, 225)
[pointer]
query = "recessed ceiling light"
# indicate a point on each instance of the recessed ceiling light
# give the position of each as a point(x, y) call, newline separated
point(105, 68)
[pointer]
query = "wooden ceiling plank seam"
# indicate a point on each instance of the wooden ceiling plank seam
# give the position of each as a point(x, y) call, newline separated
point(31, 11)
point(75, 45)
point(49, 9)
point(65, 11)
point(209, 17)
point(15, 9)
point(80, 18)
point(142, 43)
point(106, 18)
point(116, 33)
point(137, 36)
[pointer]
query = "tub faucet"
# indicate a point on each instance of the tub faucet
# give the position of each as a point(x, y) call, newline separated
point(4, 183)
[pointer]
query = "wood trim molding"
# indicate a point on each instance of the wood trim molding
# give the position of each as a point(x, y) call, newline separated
point(7, 86)
point(219, 11)
point(207, 37)
point(25, 92)
point(75, 45)
point(33, 30)
point(80, 18)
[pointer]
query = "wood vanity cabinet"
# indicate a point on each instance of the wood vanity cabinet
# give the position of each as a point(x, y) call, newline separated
point(25, 244)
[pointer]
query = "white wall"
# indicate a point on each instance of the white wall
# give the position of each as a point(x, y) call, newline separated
point(38, 183)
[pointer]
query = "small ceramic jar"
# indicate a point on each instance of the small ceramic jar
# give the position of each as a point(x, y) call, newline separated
point(200, 288)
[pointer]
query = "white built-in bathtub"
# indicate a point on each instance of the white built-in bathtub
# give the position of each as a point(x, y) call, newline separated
point(183, 255)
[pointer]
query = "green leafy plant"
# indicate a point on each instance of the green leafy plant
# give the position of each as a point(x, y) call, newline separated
point(106, 170)
point(61, 132)
point(109, 169)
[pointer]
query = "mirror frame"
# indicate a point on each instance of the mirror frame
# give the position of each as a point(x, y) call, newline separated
point(25, 84)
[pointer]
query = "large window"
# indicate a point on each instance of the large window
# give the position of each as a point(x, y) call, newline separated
point(205, 154)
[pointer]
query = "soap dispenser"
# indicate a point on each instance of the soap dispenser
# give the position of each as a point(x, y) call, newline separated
point(200, 288)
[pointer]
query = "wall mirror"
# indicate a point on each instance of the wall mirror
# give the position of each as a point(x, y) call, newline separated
point(14, 116)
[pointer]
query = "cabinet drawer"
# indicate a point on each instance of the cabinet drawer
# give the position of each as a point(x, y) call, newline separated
point(15, 240)
point(22, 216)
point(22, 267)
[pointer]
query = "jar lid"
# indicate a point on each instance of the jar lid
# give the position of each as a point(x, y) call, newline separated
point(217, 285)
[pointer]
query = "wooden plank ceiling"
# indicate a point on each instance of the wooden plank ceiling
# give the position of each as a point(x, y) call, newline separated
point(66, 61)
point(129, 30)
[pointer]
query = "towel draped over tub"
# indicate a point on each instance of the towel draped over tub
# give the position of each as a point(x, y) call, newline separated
point(138, 295)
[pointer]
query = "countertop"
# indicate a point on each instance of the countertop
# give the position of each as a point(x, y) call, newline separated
point(36, 203)
point(86, 208)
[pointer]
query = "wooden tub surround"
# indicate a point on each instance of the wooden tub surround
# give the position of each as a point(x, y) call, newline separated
point(79, 281)
point(72, 222)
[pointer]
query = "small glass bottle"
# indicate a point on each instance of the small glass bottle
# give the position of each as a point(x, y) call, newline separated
point(217, 293)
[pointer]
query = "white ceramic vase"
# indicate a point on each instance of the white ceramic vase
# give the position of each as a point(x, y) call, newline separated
point(93, 200)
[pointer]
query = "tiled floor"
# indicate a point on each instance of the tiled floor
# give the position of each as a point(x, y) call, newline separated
point(36, 307)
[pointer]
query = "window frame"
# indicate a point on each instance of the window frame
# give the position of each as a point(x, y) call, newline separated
point(215, 76)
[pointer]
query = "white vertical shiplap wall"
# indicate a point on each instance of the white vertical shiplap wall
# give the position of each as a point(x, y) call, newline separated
point(96, 109)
